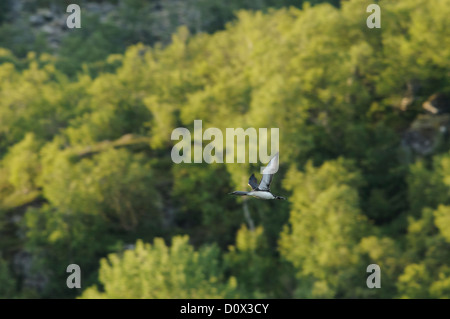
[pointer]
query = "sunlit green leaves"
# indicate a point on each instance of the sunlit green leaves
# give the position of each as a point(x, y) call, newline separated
point(160, 271)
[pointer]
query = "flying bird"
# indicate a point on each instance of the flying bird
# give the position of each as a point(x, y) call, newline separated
point(262, 191)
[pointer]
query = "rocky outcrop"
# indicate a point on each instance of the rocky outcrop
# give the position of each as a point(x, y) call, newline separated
point(51, 20)
point(426, 133)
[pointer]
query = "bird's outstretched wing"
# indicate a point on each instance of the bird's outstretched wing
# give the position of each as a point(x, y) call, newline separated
point(253, 182)
point(268, 174)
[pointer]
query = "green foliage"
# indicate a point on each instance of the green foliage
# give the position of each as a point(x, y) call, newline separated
point(112, 196)
point(386, 253)
point(7, 282)
point(22, 163)
point(33, 100)
point(13, 37)
point(209, 209)
point(324, 229)
point(442, 221)
point(87, 47)
point(427, 257)
point(254, 265)
point(85, 142)
point(412, 282)
point(114, 183)
point(428, 187)
point(161, 271)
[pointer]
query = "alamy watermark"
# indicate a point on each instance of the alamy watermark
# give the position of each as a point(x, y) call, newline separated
point(374, 20)
point(213, 152)
point(74, 279)
point(374, 280)
point(74, 19)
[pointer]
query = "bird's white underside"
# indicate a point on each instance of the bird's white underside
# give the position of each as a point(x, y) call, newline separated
point(261, 194)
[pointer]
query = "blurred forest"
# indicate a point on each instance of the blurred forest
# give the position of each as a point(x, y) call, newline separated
point(86, 175)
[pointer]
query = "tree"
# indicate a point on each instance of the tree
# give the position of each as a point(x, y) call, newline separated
point(159, 271)
point(259, 272)
point(426, 274)
point(110, 197)
point(324, 230)
point(7, 282)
